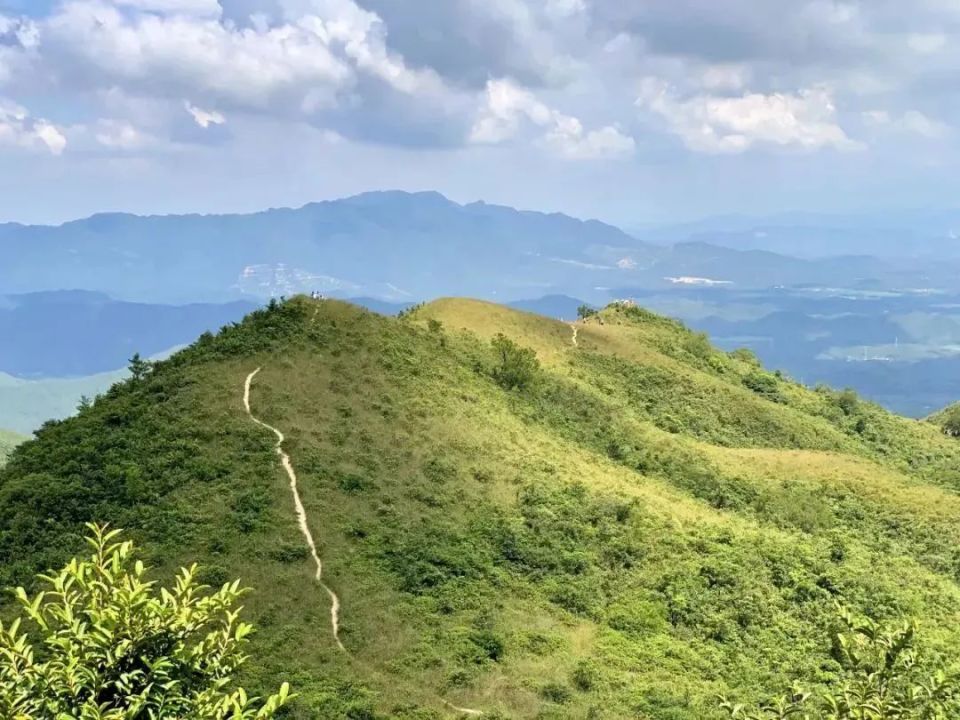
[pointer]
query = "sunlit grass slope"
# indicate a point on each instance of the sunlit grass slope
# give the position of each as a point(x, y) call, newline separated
point(649, 524)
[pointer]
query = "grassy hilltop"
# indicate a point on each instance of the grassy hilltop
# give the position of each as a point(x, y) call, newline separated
point(646, 524)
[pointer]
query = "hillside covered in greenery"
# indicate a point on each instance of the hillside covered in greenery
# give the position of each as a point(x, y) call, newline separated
point(518, 516)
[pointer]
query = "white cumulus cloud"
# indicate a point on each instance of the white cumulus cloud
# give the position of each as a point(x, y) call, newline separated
point(121, 135)
point(508, 108)
point(178, 54)
point(18, 129)
point(204, 118)
point(911, 121)
point(186, 7)
point(733, 124)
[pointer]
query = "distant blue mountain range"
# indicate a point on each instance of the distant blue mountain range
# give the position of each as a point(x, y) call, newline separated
point(930, 233)
point(399, 247)
point(77, 333)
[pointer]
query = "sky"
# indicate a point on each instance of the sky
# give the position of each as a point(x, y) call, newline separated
point(634, 112)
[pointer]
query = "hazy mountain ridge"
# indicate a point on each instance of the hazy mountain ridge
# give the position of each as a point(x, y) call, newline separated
point(77, 333)
point(394, 246)
point(906, 234)
point(896, 348)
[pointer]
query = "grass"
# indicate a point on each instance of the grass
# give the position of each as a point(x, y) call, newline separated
point(649, 524)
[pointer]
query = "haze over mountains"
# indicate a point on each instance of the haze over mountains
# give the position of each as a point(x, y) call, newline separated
point(401, 247)
point(74, 333)
point(905, 234)
point(77, 300)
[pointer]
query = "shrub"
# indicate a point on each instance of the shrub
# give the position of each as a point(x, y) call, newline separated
point(114, 648)
point(584, 676)
point(139, 368)
point(951, 421)
point(489, 645)
point(698, 345)
point(882, 678)
point(585, 311)
point(746, 355)
point(290, 552)
point(848, 401)
point(516, 366)
point(556, 693)
point(763, 384)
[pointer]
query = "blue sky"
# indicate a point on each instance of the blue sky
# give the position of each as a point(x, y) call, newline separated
point(633, 112)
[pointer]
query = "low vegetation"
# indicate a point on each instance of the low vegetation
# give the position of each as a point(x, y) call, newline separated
point(949, 421)
point(515, 367)
point(629, 527)
point(883, 677)
point(113, 648)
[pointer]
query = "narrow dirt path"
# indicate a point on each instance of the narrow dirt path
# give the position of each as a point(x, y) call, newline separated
point(463, 711)
point(575, 331)
point(301, 511)
point(308, 536)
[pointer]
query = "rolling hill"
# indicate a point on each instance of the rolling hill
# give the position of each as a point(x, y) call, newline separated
point(638, 525)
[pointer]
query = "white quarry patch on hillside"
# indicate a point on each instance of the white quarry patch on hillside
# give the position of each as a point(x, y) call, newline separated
point(264, 280)
point(580, 264)
point(689, 280)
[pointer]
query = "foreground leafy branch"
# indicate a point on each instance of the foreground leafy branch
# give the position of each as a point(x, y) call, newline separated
point(115, 648)
point(883, 679)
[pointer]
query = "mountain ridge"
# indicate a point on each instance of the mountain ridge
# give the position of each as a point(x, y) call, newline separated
point(426, 246)
point(647, 524)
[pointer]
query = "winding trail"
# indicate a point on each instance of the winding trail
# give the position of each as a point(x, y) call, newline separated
point(308, 536)
point(575, 329)
point(301, 511)
point(463, 711)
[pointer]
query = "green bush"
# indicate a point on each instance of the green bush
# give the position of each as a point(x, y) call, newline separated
point(746, 355)
point(884, 678)
point(113, 648)
point(556, 693)
point(951, 421)
point(763, 384)
point(516, 366)
point(848, 401)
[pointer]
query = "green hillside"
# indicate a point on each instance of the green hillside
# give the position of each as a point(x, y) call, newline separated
point(8, 441)
point(646, 524)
